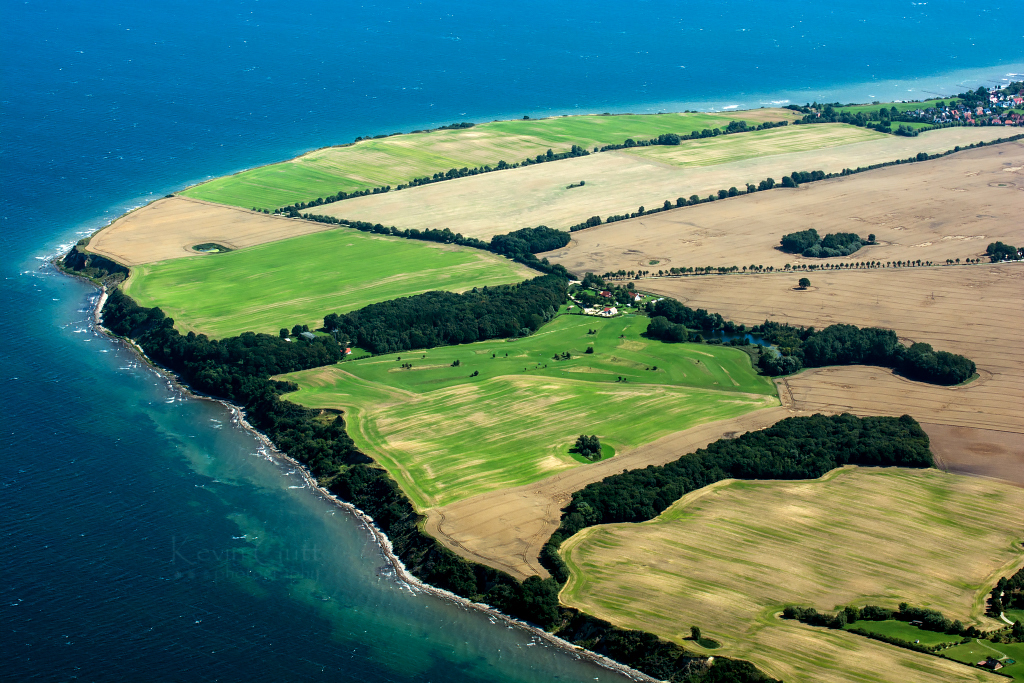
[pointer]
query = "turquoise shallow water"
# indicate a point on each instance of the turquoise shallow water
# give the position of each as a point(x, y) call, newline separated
point(144, 535)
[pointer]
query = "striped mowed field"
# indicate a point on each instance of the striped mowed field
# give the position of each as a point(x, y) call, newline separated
point(446, 435)
point(301, 279)
point(400, 158)
point(729, 557)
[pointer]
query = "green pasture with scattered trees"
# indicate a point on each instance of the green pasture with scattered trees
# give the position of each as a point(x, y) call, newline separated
point(513, 409)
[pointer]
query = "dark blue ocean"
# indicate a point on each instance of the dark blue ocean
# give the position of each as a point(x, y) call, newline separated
point(144, 536)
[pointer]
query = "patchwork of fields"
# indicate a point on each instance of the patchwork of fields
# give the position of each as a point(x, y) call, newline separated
point(971, 310)
point(621, 181)
point(951, 207)
point(300, 280)
point(400, 158)
point(447, 435)
point(478, 435)
point(729, 557)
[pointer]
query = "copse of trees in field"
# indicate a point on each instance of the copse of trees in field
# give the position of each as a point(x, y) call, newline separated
point(442, 318)
point(997, 251)
point(794, 448)
point(809, 243)
point(850, 345)
point(239, 369)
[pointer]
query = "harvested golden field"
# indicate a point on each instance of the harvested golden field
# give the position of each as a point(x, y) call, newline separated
point(169, 228)
point(971, 310)
point(507, 528)
point(946, 208)
point(729, 557)
point(618, 182)
point(397, 159)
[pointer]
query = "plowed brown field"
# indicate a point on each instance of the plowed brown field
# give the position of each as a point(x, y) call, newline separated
point(951, 207)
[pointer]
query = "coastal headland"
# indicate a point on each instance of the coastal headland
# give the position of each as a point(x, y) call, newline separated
point(421, 347)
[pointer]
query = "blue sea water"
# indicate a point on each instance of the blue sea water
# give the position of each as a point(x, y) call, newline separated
point(144, 535)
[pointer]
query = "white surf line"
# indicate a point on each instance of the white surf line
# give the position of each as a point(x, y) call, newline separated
point(401, 573)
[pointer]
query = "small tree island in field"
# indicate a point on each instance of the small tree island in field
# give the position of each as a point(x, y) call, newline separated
point(589, 447)
point(804, 283)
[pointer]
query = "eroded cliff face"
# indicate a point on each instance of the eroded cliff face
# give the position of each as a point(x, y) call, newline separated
point(93, 266)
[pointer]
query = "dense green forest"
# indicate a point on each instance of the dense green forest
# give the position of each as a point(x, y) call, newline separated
point(808, 243)
point(794, 448)
point(441, 318)
point(850, 345)
point(239, 369)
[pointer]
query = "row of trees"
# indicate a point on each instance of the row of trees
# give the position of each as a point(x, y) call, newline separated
point(850, 345)
point(794, 448)
point(518, 245)
point(293, 210)
point(736, 126)
point(442, 318)
point(769, 183)
point(1008, 593)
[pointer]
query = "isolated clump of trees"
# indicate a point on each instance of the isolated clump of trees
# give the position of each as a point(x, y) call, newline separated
point(808, 243)
point(588, 446)
point(850, 345)
point(997, 251)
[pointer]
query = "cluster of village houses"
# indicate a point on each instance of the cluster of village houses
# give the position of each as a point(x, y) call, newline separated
point(999, 100)
point(606, 310)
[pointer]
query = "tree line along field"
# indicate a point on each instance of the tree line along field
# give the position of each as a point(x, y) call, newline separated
point(448, 434)
point(299, 280)
point(729, 557)
point(948, 208)
point(621, 181)
point(397, 159)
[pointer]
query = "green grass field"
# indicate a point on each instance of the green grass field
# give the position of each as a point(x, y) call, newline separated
point(730, 148)
point(900, 106)
point(1014, 614)
point(729, 557)
point(901, 629)
point(514, 422)
point(302, 279)
point(978, 650)
point(396, 159)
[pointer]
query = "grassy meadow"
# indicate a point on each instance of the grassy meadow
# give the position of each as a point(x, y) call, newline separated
point(514, 422)
point(901, 629)
point(302, 279)
point(729, 557)
point(978, 650)
point(397, 159)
